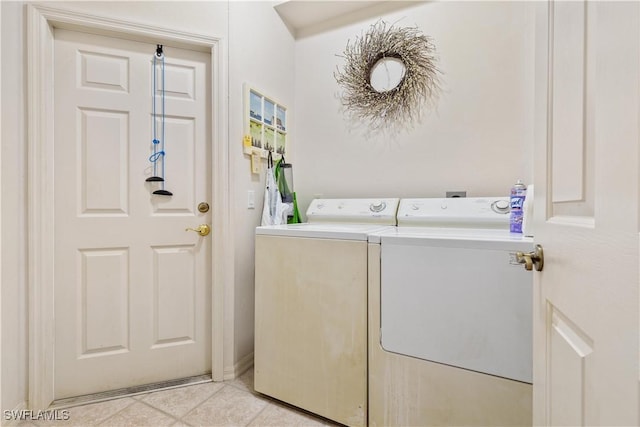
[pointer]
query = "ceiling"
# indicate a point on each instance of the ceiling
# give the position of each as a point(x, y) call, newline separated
point(308, 17)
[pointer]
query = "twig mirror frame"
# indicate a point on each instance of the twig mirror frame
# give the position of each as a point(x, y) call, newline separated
point(399, 107)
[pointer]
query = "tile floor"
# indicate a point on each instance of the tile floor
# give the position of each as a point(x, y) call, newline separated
point(232, 403)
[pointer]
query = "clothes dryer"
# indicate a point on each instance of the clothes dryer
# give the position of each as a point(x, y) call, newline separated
point(311, 310)
point(450, 317)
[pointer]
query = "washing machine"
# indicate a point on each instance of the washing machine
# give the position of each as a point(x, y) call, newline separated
point(450, 317)
point(311, 307)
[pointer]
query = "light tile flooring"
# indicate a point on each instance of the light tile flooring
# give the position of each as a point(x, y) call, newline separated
point(232, 403)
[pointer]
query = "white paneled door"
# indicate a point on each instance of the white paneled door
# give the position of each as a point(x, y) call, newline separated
point(132, 286)
point(586, 363)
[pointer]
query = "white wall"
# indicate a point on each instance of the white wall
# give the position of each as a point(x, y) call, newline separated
point(266, 62)
point(261, 55)
point(478, 140)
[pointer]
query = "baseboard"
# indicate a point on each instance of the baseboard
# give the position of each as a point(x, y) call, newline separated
point(240, 367)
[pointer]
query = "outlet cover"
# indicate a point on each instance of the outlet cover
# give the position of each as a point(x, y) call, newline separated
point(456, 194)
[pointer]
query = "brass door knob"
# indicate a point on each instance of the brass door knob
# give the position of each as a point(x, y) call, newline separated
point(531, 259)
point(202, 229)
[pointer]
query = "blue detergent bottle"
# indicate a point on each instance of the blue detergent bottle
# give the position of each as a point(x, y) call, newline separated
point(518, 194)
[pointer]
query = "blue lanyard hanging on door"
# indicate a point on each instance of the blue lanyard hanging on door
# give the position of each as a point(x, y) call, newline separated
point(158, 144)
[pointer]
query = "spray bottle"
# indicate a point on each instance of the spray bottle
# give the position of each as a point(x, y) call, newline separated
point(518, 194)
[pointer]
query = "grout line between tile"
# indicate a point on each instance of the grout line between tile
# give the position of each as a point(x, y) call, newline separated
point(160, 410)
point(200, 404)
point(115, 413)
point(258, 414)
point(244, 388)
point(241, 388)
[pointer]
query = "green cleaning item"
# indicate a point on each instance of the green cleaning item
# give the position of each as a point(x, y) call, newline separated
point(284, 178)
point(295, 219)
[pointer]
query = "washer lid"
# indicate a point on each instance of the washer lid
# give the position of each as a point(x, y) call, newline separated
point(343, 231)
point(361, 211)
point(468, 212)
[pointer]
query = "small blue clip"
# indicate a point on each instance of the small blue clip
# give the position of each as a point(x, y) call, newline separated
point(155, 156)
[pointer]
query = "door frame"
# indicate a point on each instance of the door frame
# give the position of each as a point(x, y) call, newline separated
point(542, 116)
point(41, 21)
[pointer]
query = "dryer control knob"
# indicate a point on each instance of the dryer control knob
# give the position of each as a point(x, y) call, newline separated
point(500, 206)
point(377, 206)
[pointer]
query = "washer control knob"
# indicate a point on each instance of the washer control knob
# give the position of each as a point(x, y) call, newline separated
point(377, 206)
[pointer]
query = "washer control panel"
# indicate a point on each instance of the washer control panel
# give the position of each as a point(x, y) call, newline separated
point(469, 212)
point(364, 211)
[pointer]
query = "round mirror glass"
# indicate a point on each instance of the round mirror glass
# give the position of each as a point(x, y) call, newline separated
point(386, 74)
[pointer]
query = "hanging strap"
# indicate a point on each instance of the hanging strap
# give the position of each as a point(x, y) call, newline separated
point(158, 144)
point(158, 141)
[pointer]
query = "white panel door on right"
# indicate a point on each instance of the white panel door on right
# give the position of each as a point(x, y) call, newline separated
point(132, 286)
point(586, 175)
